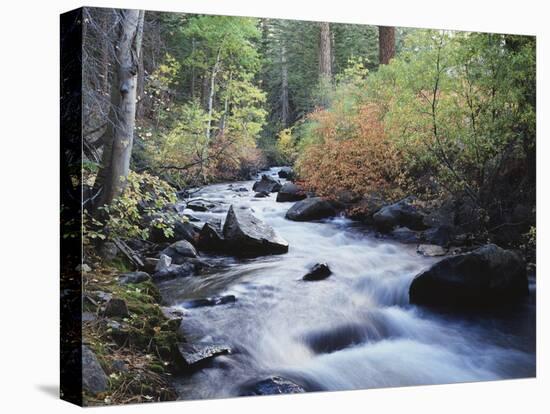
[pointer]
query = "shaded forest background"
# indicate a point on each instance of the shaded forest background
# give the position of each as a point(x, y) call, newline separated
point(363, 113)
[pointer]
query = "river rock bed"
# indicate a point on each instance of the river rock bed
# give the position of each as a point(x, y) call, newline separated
point(355, 329)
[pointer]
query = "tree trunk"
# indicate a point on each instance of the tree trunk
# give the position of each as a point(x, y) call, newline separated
point(118, 148)
point(193, 74)
point(284, 87)
point(386, 43)
point(211, 95)
point(226, 104)
point(325, 52)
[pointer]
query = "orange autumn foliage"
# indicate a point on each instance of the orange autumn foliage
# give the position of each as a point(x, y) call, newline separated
point(353, 155)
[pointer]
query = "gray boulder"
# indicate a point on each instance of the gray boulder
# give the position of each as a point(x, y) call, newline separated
point(180, 251)
point(210, 239)
point(94, 379)
point(290, 192)
point(247, 236)
point(267, 184)
point(198, 354)
point(403, 213)
point(314, 208)
point(286, 172)
point(486, 277)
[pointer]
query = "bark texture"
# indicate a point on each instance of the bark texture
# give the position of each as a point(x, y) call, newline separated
point(120, 136)
point(325, 51)
point(284, 88)
point(386, 43)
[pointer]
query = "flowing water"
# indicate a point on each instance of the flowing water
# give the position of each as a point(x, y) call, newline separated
point(354, 330)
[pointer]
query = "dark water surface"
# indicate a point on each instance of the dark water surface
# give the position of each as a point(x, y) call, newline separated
point(354, 330)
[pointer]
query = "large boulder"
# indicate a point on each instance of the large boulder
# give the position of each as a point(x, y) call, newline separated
point(180, 251)
point(485, 277)
point(286, 172)
point(290, 192)
point(247, 236)
point(267, 184)
point(314, 208)
point(271, 386)
point(94, 379)
point(403, 213)
point(210, 239)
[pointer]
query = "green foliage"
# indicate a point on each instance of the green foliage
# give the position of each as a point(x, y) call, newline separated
point(451, 104)
point(140, 207)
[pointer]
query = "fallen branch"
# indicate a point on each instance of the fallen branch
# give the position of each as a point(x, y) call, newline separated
point(128, 252)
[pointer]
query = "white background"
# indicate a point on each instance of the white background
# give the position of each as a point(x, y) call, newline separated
point(29, 192)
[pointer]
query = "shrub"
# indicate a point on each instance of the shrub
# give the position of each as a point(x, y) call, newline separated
point(353, 154)
point(131, 215)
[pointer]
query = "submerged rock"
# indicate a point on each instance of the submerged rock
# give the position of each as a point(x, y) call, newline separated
point(340, 337)
point(403, 213)
point(180, 251)
point(314, 208)
point(200, 205)
point(261, 194)
point(290, 192)
point(94, 379)
point(272, 386)
point(247, 236)
point(267, 184)
point(217, 300)
point(485, 277)
point(319, 271)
